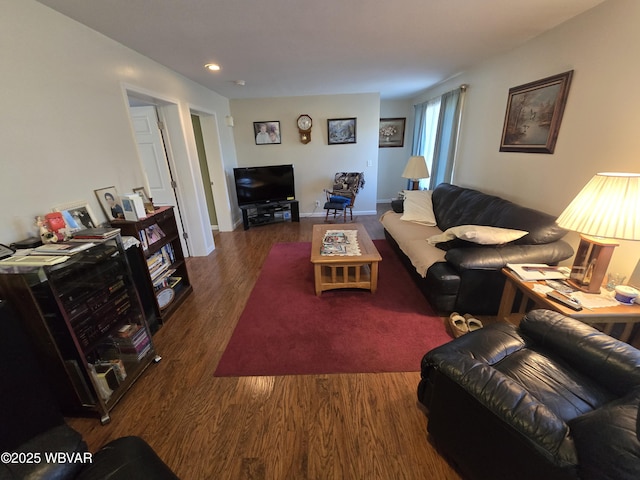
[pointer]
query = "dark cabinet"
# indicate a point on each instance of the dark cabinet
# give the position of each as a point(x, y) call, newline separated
point(86, 322)
point(165, 279)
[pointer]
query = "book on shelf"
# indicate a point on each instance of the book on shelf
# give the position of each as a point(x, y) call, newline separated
point(96, 233)
point(530, 272)
point(61, 248)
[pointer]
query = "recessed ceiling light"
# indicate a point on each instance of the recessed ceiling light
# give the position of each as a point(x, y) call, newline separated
point(214, 67)
point(240, 83)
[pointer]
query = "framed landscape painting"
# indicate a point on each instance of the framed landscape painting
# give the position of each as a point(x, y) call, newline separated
point(391, 132)
point(533, 116)
point(341, 130)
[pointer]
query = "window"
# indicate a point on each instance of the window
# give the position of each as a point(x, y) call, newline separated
point(435, 135)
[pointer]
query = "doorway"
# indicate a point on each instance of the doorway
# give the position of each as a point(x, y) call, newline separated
point(207, 182)
point(146, 119)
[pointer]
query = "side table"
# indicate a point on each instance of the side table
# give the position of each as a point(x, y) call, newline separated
point(606, 316)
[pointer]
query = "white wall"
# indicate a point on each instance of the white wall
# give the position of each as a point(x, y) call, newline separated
point(315, 163)
point(64, 125)
point(599, 129)
point(391, 161)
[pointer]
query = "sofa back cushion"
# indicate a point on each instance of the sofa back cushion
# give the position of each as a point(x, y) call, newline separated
point(455, 206)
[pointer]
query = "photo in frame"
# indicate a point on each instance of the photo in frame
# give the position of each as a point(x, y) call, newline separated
point(146, 201)
point(267, 133)
point(534, 113)
point(77, 215)
point(341, 130)
point(110, 202)
point(391, 132)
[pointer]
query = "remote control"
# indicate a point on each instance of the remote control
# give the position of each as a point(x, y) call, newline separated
point(564, 300)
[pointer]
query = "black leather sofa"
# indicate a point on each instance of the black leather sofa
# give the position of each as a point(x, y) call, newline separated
point(469, 279)
point(32, 429)
point(550, 399)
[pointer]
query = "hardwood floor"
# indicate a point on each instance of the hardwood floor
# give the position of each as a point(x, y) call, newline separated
point(288, 427)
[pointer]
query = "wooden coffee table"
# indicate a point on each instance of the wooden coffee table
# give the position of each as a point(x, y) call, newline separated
point(345, 271)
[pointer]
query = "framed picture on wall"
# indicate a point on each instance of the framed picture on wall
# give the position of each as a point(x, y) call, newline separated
point(341, 130)
point(391, 132)
point(267, 133)
point(533, 116)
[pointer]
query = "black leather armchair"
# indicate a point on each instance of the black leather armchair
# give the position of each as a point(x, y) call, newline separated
point(550, 399)
point(32, 427)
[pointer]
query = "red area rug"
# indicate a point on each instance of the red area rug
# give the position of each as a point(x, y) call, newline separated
point(285, 329)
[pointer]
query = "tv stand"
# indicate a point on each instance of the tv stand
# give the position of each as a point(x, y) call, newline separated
point(272, 212)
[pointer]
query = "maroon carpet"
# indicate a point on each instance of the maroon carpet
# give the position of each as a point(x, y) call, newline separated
point(286, 329)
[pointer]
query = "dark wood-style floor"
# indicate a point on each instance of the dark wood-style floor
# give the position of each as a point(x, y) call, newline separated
point(290, 427)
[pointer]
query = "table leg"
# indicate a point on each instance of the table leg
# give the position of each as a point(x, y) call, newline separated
point(317, 273)
point(506, 302)
point(374, 276)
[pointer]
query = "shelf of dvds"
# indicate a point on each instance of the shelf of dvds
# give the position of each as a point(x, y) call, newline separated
point(87, 324)
point(165, 280)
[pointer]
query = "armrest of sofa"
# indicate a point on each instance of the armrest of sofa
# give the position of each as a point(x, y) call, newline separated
point(468, 362)
point(612, 362)
point(496, 257)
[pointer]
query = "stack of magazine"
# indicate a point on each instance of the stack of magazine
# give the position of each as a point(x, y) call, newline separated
point(334, 243)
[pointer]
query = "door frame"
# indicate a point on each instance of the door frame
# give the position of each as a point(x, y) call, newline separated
point(179, 143)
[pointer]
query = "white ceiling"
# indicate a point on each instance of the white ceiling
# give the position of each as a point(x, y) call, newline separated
point(302, 47)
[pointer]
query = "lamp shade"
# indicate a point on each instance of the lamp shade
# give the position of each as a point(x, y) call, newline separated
point(608, 206)
point(416, 168)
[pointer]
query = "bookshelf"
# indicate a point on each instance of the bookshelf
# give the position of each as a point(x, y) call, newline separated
point(166, 279)
point(87, 325)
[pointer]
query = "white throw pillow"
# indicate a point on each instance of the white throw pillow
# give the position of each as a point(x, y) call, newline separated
point(480, 234)
point(418, 207)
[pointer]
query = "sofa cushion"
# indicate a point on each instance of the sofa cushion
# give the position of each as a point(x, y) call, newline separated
point(480, 234)
point(455, 206)
point(418, 207)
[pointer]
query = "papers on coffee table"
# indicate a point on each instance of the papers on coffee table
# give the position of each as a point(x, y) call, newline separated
point(340, 242)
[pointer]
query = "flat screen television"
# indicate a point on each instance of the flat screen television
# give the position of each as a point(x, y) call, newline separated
point(272, 183)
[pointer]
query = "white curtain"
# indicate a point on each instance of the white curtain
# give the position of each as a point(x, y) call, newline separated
point(435, 135)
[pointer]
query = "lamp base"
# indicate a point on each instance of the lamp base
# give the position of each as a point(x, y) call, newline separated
point(415, 184)
point(591, 263)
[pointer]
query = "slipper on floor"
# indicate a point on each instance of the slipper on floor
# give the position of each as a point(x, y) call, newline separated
point(457, 325)
point(472, 323)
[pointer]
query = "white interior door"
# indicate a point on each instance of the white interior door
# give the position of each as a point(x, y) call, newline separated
point(152, 152)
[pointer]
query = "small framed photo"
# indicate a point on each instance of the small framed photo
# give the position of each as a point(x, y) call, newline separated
point(267, 133)
point(77, 215)
point(391, 132)
point(341, 130)
point(110, 202)
point(533, 116)
point(148, 205)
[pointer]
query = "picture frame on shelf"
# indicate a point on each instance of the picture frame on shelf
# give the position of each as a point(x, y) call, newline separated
point(146, 200)
point(110, 202)
point(341, 130)
point(77, 215)
point(534, 113)
point(267, 133)
point(391, 132)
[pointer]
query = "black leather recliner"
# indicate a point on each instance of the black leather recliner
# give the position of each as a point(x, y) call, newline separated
point(550, 399)
point(32, 427)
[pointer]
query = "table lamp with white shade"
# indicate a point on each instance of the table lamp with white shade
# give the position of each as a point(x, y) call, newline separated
point(606, 209)
point(416, 170)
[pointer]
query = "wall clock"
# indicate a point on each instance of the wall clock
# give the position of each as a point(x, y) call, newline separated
point(304, 128)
